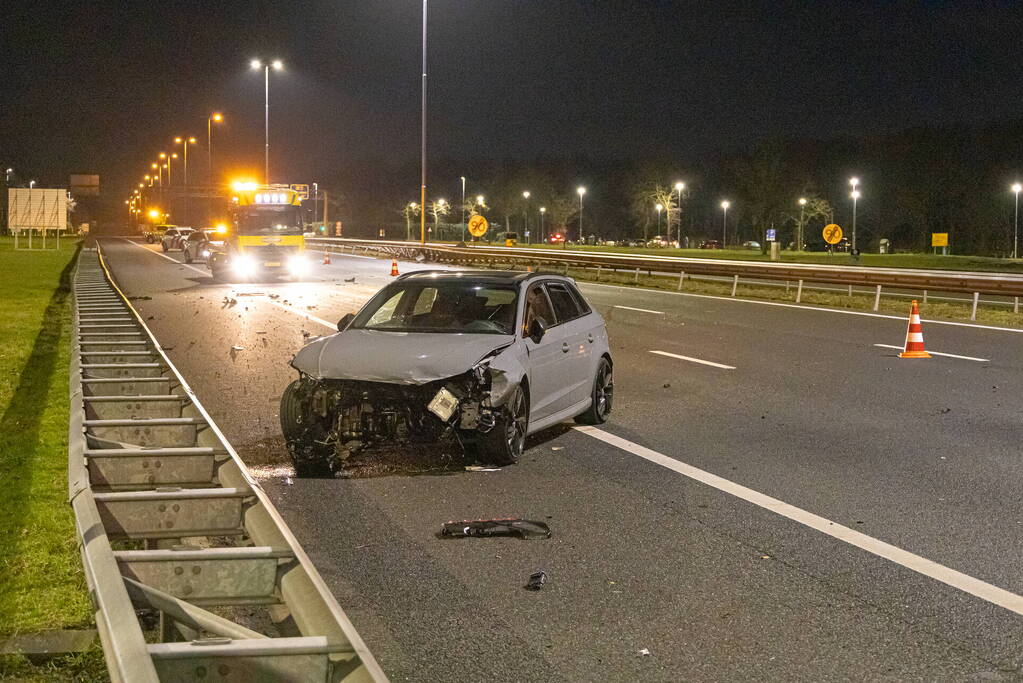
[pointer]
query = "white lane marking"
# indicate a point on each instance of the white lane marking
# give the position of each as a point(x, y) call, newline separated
point(298, 311)
point(951, 577)
point(803, 307)
point(938, 353)
point(641, 310)
point(170, 258)
point(694, 360)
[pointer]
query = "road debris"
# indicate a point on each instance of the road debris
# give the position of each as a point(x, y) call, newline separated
point(557, 448)
point(306, 333)
point(480, 468)
point(643, 653)
point(237, 348)
point(140, 298)
point(667, 385)
point(523, 528)
point(536, 580)
point(350, 279)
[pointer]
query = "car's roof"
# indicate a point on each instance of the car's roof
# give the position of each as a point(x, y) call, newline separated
point(490, 276)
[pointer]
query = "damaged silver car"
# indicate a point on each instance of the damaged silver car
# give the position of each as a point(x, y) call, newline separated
point(486, 358)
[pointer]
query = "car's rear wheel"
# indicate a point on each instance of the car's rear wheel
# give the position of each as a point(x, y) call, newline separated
point(603, 396)
point(303, 435)
point(187, 254)
point(503, 444)
point(163, 245)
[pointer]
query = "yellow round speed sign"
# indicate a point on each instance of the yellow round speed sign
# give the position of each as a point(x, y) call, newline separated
point(832, 233)
point(478, 226)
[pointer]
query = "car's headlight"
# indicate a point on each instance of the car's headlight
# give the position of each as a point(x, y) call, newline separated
point(298, 265)
point(244, 264)
point(205, 253)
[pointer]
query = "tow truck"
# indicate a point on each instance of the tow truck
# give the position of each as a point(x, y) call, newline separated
point(264, 236)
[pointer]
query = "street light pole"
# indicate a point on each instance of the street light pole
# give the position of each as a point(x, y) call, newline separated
point(659, 207)
point(215, 116)
point(277, 66)
point(543, 233)
point(679, 186)
point(463, 208)
point(1015, 232)
point(525, 215)
point(855, 194)
point(799, 238)
point(581, 191)
point(724, 222)
point(422, 149)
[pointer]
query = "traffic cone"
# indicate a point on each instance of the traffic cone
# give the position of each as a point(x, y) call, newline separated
point(326, 258)
point(394, 266)
point(914, 336)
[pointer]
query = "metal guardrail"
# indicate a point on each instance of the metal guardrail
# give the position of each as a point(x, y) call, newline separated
point(1003, 284)
point(171, 523)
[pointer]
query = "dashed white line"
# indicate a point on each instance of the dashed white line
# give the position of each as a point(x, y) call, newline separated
point(938, 353)
point(641, 310)
point(694, 360)
point(921, 565)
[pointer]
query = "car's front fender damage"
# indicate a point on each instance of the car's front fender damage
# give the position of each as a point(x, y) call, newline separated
point(327, 420)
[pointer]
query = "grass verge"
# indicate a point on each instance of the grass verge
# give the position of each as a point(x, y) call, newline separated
point(41, 581)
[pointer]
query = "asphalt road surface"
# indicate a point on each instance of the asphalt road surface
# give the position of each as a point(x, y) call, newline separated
point(775, 497)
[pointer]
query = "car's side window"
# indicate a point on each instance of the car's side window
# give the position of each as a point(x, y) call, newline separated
point(584, 307)
point(564, 303)
point(537, 306)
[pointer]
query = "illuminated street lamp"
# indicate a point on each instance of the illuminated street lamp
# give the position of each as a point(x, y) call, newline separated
point(1015, 232)
point(543, 234)
point(724, 221)
point(679, 186)
point(799, 239)
point(525, 215)
point(409, 211)
point(855, 195)
point(185, 142)
point(215, 117)
point(277, 66)
point(580, 191)
point(32, 184)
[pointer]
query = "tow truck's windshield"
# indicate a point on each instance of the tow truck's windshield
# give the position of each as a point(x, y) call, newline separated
point(277, 220)
point(467, 307)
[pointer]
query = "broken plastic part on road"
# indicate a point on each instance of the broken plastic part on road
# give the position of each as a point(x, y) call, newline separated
point(523, 528)
point(536, 580)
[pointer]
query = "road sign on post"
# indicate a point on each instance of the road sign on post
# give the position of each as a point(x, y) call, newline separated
point(772, 234)
point(832, 233)
point(940, 239)
point(478, 226)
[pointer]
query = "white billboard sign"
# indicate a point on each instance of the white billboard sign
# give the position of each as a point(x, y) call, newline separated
point(36, 209)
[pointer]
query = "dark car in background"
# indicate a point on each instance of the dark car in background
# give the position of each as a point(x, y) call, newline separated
point(711, 244)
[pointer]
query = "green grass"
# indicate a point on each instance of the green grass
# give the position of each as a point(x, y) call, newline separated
point(928, 261)
point(41, 582)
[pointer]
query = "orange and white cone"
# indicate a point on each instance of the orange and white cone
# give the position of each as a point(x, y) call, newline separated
point(914, 336)
point(394, 266)
point(326, 258)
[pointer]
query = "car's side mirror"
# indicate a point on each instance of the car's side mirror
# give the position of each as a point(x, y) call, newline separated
point(345, 321)
point(537, 328)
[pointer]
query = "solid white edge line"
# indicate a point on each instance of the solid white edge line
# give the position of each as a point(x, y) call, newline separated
point(641, 310)
point(802, 307)
point(694, 360)
point(938, 353)
point(921, 565)
point(170, 258)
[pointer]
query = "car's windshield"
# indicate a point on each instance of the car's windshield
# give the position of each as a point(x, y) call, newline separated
point(277, 220)
point(468, 307)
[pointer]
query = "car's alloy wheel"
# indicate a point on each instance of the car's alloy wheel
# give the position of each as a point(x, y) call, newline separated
point(602, 398)
point(517, 422)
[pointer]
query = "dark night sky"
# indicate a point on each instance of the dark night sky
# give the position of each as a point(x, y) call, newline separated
point(102, 87)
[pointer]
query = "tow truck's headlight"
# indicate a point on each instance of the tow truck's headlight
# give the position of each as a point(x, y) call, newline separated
point(244, 264)
point(298, 265)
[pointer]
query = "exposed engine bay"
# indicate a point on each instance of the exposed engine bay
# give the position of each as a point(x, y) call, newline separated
point(329, 421)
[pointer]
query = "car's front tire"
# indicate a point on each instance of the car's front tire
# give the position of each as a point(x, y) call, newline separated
point(303, 434)
point(163, 246)
point(187, 255)
point(503, 444)
point(602, 395)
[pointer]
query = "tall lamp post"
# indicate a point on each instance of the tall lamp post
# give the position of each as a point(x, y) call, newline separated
point(463, 207)
point(679, 186)
point(525, 215)
point(855, 195)
point(422, 148)
point(215, 117)
point(659, 207)
point(1015, 232)
point(543, 233)
point(277, 66)
point(799, 236)
point(580, 191)
point(185, 142)
point(724, 222)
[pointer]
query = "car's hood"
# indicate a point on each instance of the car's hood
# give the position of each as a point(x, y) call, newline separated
point(396, 357)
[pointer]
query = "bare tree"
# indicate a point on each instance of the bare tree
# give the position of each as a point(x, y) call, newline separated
point(410, 211)
point(438, 208)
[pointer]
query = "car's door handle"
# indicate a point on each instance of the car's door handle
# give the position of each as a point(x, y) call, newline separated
point(564, 347)
point(589, 337)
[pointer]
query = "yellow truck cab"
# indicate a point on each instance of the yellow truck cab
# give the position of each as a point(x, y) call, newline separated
point(264, 236)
